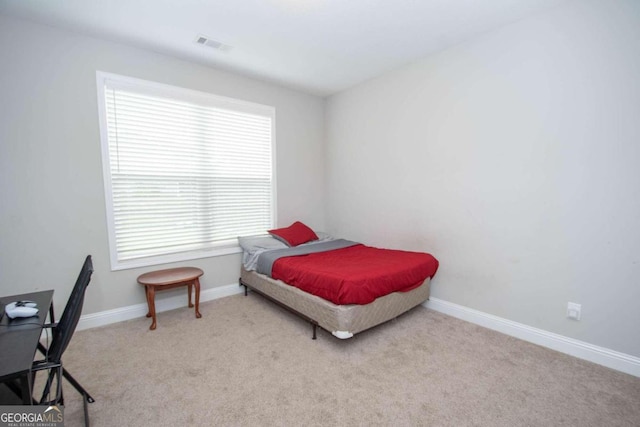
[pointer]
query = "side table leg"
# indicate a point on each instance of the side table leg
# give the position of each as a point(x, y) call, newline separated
point(197, 286)
point(189, 287)
point(146, 294)
point(151, 297)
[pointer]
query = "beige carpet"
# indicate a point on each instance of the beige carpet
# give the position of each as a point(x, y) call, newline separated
point(249, 362)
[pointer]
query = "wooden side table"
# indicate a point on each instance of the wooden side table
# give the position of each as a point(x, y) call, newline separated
point(169, 279)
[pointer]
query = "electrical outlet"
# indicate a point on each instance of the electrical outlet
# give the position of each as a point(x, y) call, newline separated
point(574, 311)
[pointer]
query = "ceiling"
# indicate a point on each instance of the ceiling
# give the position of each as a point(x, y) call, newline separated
point(317, 46)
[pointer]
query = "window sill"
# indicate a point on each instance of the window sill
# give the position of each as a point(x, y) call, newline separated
point(178, 257)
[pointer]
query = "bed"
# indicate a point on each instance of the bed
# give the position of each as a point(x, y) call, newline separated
point(341, 286)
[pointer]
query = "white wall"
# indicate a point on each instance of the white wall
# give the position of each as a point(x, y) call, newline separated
point(515, 160)
point(52, 206)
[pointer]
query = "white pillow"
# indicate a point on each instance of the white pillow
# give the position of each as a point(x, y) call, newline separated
point(251, 244)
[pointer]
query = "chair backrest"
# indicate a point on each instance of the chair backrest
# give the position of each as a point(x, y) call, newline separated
point(63, 332)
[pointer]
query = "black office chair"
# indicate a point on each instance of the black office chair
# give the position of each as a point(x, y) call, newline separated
point(62, 333)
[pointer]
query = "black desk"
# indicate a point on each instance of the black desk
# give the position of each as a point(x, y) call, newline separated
point(19, 340)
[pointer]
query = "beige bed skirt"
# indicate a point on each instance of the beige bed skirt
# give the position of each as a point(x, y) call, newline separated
point(343, 321)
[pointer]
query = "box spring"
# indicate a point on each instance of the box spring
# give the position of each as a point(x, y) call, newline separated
point(343, 321)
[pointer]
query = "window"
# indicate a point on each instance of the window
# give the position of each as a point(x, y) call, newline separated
point(185, 172)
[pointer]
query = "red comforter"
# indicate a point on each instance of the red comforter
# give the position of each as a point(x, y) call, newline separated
point(357, 274)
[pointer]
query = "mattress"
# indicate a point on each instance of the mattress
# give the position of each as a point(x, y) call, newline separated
point(343, 321)
point(353, 274)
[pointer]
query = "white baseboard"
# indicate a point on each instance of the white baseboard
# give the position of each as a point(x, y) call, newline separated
point(162, 304)
point(600, 355)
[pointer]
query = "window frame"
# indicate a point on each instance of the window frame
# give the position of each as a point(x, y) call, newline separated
point(222, 248)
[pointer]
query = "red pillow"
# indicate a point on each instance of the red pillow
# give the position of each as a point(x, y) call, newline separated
point(295, 234)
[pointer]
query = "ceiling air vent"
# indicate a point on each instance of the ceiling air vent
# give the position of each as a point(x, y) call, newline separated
point(214, 44)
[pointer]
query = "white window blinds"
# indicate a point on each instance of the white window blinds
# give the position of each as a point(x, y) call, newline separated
point(188, 171)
